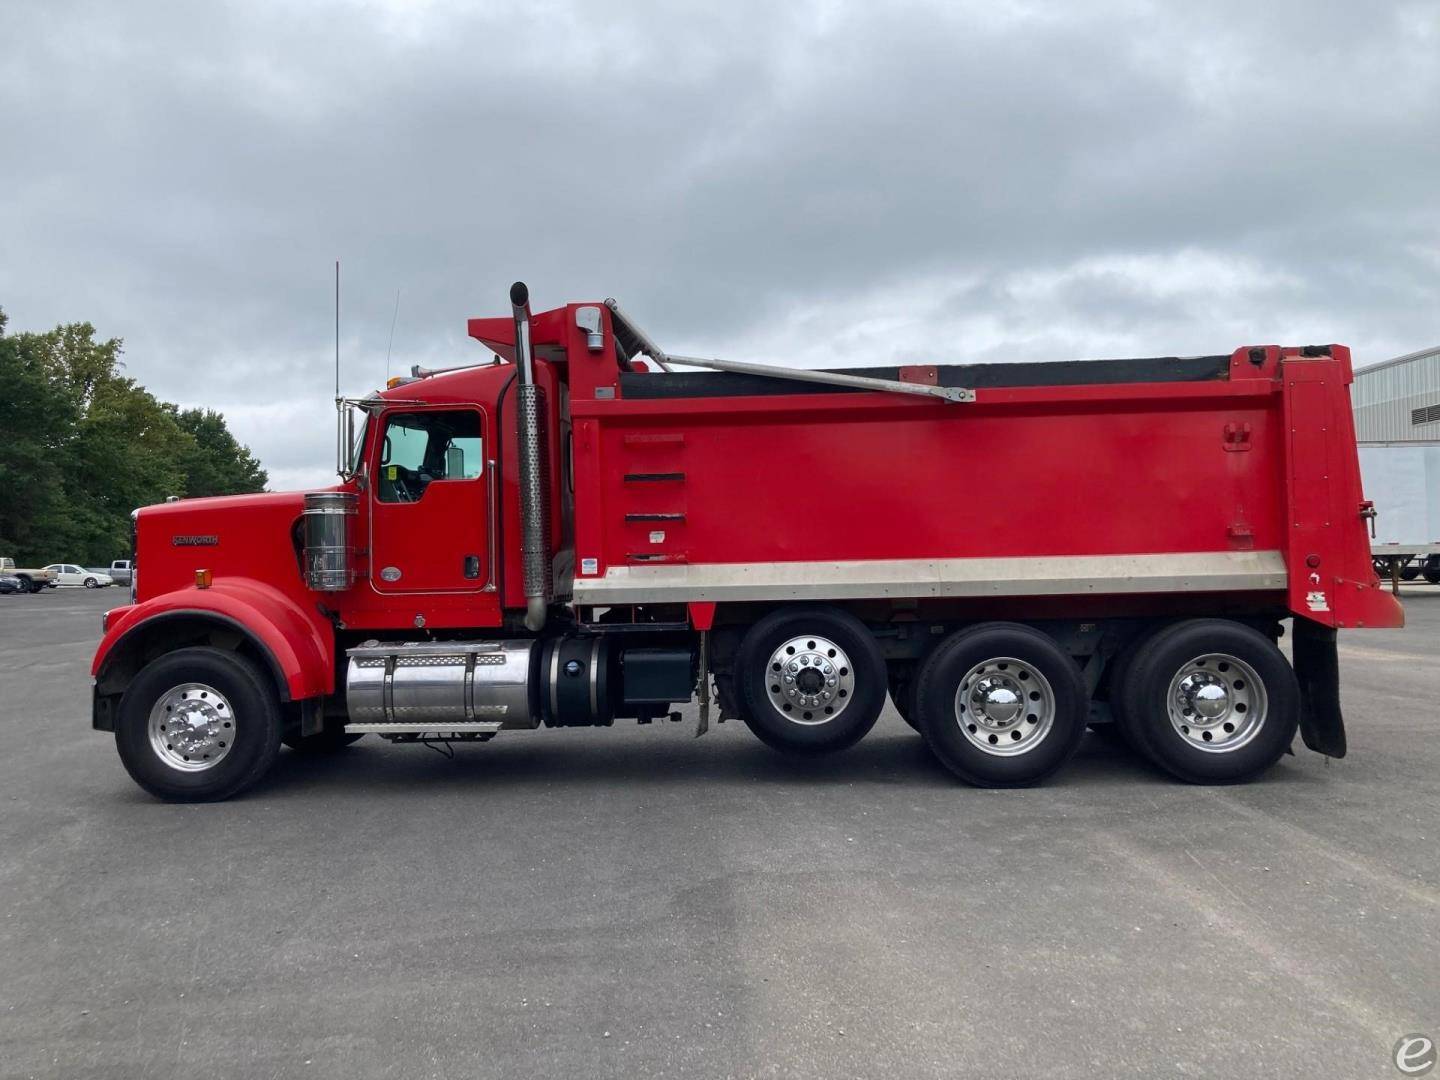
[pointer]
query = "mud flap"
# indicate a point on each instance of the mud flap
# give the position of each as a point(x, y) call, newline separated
point(312, 716)
point(702, 722)
point(1317, 666)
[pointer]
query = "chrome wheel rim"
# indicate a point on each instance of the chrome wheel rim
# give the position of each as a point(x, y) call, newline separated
point(810, 680)
point(192, 727)
point(1216, 703)
point(1005, 706)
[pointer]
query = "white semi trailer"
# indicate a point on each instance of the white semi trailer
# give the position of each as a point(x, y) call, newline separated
point(1404, 484)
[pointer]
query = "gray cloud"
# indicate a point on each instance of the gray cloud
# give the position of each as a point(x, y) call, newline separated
point(818, 183)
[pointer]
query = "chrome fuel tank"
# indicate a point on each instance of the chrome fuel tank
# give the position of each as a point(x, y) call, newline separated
point(443, 682)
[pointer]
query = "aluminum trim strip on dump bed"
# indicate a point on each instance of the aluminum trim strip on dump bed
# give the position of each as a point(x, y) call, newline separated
point(1061, 575)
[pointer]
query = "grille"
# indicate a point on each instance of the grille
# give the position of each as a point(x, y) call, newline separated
point(1430, 414)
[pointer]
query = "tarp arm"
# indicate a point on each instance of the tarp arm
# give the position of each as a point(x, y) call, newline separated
point(831, 378)
point(633, 340)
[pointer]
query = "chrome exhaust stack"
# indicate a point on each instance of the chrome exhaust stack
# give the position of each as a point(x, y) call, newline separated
point(534, 486)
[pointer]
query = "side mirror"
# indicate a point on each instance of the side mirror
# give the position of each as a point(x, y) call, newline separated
point(455, 463)
point(350, 430)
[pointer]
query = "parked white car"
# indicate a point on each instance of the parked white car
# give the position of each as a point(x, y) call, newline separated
point(70, 574)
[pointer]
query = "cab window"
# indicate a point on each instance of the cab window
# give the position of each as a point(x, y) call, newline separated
point(424, 447)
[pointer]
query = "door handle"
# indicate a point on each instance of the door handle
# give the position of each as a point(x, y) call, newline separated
point(472, 566)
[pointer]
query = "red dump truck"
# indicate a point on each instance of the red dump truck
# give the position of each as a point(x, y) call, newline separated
point(584, 529)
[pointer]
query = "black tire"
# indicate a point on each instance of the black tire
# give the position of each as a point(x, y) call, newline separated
point(252, 701)
point(801, 731)
point(28, 586)
point(1431, 574)
point(91, 583)
point(329, 741)
point(1196, 752)
point(1409, 573)
point(1019, 653)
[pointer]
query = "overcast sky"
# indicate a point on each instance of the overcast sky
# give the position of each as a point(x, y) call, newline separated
point(806, 183)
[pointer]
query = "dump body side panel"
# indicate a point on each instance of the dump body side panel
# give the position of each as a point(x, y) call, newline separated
point(1036, 473)
point(1081, 488)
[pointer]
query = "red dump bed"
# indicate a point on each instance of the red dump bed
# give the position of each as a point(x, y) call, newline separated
point(1230, 475)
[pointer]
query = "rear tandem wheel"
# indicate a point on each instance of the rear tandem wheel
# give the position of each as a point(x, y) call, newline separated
point(1001, 705)
point(1210, 701)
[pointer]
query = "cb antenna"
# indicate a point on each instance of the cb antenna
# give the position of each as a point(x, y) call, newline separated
point(391, 346)
point(337, 328)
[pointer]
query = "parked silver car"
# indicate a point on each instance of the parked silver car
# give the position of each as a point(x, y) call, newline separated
point(70, 574)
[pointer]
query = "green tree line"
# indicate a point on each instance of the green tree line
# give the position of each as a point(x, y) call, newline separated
point(82, 445)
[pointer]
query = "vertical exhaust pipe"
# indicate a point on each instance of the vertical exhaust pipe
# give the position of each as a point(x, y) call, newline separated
point(534, 486)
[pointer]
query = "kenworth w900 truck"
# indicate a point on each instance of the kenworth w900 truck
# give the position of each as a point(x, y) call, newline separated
point(583, 529)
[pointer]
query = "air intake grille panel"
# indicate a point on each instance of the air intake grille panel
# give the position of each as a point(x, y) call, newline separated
point(1430, 414)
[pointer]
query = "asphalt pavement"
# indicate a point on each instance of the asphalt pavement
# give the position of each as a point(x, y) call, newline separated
point(634, 902)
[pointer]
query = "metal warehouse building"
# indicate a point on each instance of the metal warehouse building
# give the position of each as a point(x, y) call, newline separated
point(1398, 401)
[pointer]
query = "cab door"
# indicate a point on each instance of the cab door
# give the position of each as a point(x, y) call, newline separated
point(430, 502)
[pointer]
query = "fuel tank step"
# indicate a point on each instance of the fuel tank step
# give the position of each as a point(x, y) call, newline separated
point(434, 727)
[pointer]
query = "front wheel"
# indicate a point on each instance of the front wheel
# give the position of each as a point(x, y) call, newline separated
point(1212, 701)
point(198, 725)
point(1001, 705)
point(812, 680)
point(91, 583)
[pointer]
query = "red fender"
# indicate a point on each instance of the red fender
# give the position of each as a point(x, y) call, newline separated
point(300, 643)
